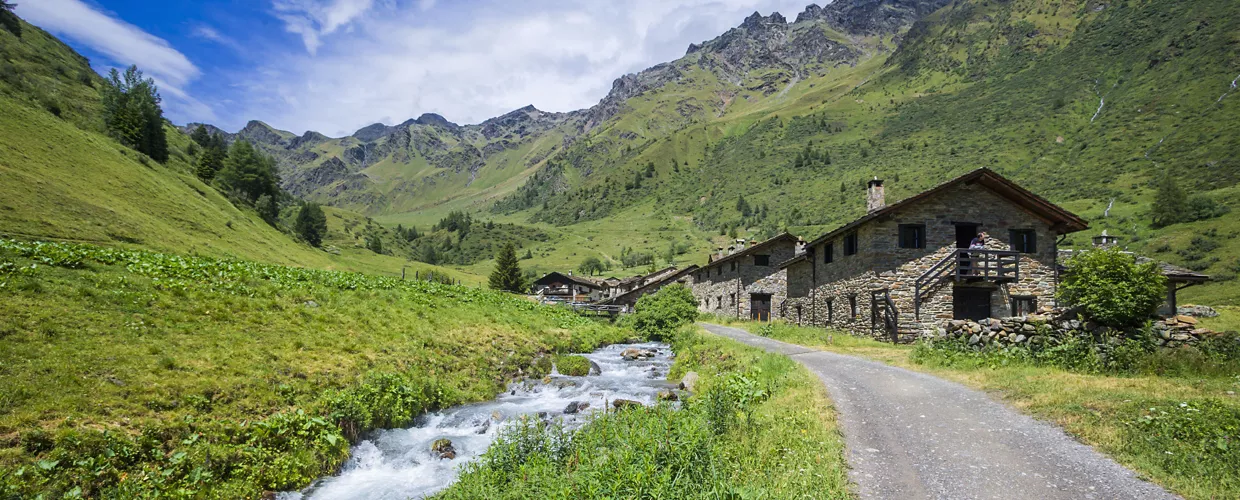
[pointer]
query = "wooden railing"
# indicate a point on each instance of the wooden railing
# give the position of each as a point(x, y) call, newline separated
point(883, 311)
point(964, 265)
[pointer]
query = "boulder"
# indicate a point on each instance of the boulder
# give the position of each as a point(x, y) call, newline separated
point(974, 339)
point(595, 369)
point(624, 404)
point(574, 407)
point(1020, 338)
point(443, 448)
point(1197, 311)
point(688, 381)
point(631, 354)
point(1186, 319)
point(668, 395)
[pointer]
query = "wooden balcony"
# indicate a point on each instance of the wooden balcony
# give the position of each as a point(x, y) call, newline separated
point(964, 266)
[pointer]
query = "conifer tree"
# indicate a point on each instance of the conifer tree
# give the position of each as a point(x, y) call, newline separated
point(311, 224)
point(9, 20)
point(132, 114)
point(1169, 202)
point(507, 273)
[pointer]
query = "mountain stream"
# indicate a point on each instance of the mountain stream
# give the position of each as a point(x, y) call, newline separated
point(399, 463)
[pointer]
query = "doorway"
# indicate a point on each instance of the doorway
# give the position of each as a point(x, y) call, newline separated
point(760, 306)
point(971, 303)
point(965, 234)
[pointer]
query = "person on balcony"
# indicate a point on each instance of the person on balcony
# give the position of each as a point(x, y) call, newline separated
point(978, 243)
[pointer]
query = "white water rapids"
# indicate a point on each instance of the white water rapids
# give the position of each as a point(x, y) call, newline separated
point(399, 464)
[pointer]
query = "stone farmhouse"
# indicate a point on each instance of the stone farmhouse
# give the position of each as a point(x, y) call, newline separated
point(615, 287)
point(903, 268)
point(658, 281)
point(746, 282)
point(558, 287)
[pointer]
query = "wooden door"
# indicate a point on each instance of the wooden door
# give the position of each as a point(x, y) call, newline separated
point(760, 307)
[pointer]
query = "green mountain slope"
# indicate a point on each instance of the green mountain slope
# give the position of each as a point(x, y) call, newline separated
point(61, 178)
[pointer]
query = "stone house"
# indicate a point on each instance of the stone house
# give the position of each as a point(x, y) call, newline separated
point(903, 268)
point(747, 282)
point(659, 281)
point(615, 287)
point(557, 287)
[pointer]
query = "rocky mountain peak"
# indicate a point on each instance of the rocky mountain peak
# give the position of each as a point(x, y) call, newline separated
point(259, 132)
point(756, 21)
point(869, 17)
point(373, 132)
point(435, 120)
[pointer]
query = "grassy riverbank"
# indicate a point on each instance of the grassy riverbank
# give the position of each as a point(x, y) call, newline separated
point(131, 373)
point(1182, 432)
point(759, 426)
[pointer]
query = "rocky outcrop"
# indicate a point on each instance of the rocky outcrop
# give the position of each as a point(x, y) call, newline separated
point(304, 182)
point(260, 133)
point(870, 17)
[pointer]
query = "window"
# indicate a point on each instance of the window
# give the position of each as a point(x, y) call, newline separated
point(733, 299)
point(852, 306)
point(762, 260)
point(850, 244)
point(1024, 305)
point(719, 301)
point(830, 310)
point(828, 253)
point(733, 266)
point(1024, 240)
point(912, 236)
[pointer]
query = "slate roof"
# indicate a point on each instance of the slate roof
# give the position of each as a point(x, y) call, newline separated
point(752, 249)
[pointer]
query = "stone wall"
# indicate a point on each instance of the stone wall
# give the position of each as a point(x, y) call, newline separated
point(825, 291)
point(724, 288)
point(1034, 330)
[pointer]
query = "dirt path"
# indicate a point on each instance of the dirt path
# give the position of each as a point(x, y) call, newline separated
point(911, 435)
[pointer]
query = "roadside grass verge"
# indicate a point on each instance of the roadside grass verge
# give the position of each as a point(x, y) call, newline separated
point(137, 374)
point(759, 426)
point(1182, 432)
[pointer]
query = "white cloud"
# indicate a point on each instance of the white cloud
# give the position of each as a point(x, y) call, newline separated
point(208, 33)
point(122, 43)
point(313, 19)
point(472, 61)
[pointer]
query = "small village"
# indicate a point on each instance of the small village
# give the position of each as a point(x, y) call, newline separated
point(906, 270)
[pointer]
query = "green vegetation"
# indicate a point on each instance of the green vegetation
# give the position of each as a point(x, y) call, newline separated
point(9, 20)
point(759, 426)
point(661, 313)
point(572, 365)
point(1175, 419)
point(1112, 288)
point(592, 266)
point(132, 114)
point(311, 224)
point(220, 378)
point(507, 274)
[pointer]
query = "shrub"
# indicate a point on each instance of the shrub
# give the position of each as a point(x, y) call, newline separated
point(573, 366)
point(659, 314)
point(1112, 288)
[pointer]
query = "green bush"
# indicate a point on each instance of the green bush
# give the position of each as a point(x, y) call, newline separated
point(1112, 288)
point(572, 365)
point(659, 314)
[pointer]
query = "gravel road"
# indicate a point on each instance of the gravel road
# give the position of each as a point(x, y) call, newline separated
point(911, 435)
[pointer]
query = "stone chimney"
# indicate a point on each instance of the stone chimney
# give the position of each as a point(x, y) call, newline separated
point(800, 246)
point(874, 199)
point(1105, 241)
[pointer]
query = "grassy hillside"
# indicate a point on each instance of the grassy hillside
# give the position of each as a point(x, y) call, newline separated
point(62, 179)
point(226, 378)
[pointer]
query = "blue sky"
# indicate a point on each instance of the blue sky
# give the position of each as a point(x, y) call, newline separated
point(334, 66)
